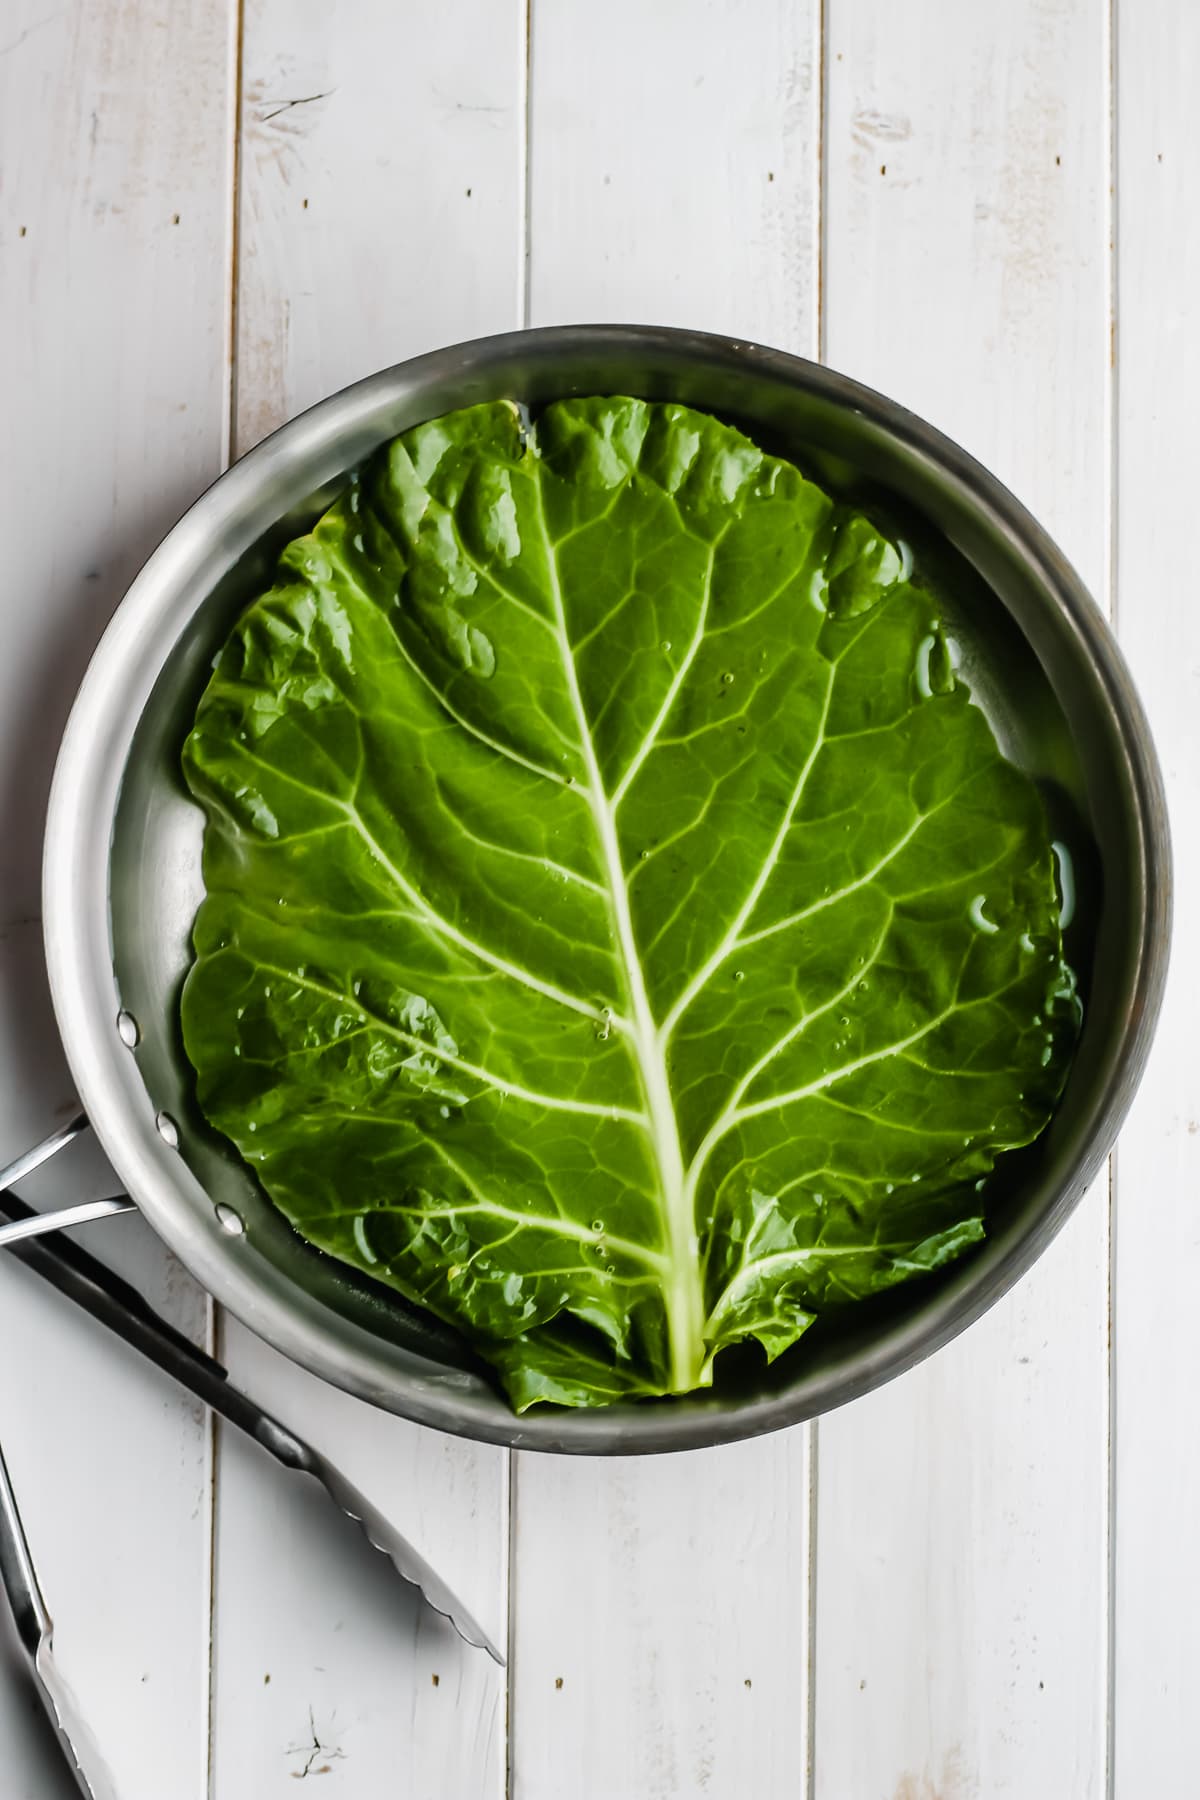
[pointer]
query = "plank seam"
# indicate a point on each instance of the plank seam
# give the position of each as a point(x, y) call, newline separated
point(212, 1337)
point(524, 316)
point(510, 1595)
point(810, 1627)
point(821, 197)
point(235, 232)
point(524, 223)
point(821, 211)
point(1112, 404)
point(213, 1332)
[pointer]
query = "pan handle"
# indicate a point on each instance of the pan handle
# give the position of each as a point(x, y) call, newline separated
point(33, 1159)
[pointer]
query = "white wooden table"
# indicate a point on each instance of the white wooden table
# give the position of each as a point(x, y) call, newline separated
point(982, 1581)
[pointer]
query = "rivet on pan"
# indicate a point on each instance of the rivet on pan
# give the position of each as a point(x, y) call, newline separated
point(168, 1130)
point(128, 1029)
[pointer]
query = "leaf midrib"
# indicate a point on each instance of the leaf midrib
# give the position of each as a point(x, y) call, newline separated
point(683, 1294)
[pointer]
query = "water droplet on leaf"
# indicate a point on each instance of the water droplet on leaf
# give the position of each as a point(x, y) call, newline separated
point(1066, 883)
point(934, 669)
point(979, 918)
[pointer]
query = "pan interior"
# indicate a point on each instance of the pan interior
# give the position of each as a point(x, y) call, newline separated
point(1016, 653)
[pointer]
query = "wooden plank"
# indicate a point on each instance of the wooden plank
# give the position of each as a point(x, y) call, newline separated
point(962, 1604)
point(110, 1462)
point(1157, 1249)
point(661, 1620)
point(661, 1605)
point(114, 138)
point(675, 165)
point(382, 192)
point(381, 199)
point(324, 1658)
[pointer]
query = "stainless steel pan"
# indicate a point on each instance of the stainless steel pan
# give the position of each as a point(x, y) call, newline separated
point(122, 870)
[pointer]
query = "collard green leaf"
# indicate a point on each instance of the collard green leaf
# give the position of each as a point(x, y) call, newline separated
point(622, 933)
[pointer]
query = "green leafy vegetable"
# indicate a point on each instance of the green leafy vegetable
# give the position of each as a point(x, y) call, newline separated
point(623, 935)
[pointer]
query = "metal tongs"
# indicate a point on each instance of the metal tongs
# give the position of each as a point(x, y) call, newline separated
point(111, 1300)
point(35, 1629)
